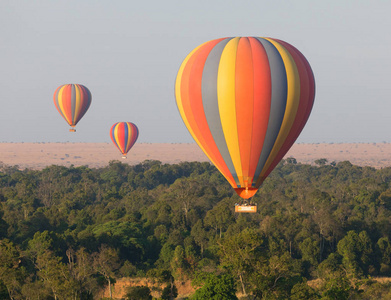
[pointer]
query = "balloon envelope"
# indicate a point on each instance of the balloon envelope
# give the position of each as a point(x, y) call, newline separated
point(72, 102)
point(124, 136)
point(245, 101)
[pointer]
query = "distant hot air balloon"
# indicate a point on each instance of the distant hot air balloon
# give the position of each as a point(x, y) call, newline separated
point(72, 102)
point(245, 101)
point(124, 135)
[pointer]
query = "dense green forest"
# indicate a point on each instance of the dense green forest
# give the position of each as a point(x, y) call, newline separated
point(67, 233)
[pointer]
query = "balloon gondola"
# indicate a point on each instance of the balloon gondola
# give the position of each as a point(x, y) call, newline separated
point(124, 135)
point(72, 102)
point(245, 207)
point(245, 101)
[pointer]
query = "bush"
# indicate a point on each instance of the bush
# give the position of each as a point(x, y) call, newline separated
point(169, 292)
point(138, 293)
point(217, 287)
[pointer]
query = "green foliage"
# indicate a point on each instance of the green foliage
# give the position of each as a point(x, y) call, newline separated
point(128, 269)
point(11, 273)
point(302, 291)
point(375, 290)
point(169, 292)
point(331, 267)
point(138, 293)
point(336, 289)
point(73, 231)
point(217, 287)
point(356, 251)
point(3, 291)
point(384, 249)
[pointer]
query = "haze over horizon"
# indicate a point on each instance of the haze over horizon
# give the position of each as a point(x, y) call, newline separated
point(128, 55)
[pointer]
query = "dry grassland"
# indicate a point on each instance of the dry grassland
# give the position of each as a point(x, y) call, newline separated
point(95, 155)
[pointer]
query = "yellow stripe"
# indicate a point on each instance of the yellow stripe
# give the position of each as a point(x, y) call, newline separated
point(116, 137)
point(61, 103)
point(227, 103)
point(292, 104)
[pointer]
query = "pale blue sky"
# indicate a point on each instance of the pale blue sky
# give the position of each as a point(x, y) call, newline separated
point(128, 53)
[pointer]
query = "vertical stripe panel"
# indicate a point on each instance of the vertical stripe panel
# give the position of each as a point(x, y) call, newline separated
point(112, 135)
point(72, 104)
point(78, 103)
point(189, 97)
point(116, 137)
point(262, 102)
point(57, 95)
point(179, 86)
point(126, 137)
point(292, 103)
point(244, 105)
point(307, 94)
point(85, 102)
point(130, 132)
point(120, 136)
point(65, 103)
point(226, 100)
point(211, 108)
point(279, 92)
point(134, 135)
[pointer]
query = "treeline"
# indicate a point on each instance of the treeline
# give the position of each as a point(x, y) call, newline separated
point(321, 232)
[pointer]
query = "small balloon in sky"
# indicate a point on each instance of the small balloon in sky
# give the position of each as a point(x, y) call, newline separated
point(124, 135)
point(245, 101)
point(72, 102)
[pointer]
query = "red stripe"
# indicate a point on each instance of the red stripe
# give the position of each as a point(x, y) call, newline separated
point(262, 101)
point(244, 102)
point(120, 136)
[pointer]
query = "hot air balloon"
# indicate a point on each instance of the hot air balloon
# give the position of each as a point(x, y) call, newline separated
point(245, 101)
point(72, 102)
point(124, 135)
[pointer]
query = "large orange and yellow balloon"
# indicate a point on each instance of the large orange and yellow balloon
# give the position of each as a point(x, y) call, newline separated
point(124, 135)
point(72, 102)
point(245, 101)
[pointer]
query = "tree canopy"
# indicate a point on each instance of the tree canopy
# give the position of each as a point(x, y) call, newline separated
point(69, 232)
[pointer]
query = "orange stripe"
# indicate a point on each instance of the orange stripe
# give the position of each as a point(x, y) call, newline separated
point(120, 136)
point(262, 101)
point(192, 106)
point(244, 100)
point(67, 103)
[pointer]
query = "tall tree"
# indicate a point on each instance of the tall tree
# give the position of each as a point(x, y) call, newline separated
point(240, 252)
point(11, 273)
point(217, 287)
point(106, 262)
point(220, 217)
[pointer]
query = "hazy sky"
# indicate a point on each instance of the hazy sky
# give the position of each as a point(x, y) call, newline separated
point(128, 53)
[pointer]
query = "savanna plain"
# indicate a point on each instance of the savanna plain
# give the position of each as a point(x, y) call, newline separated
point(39, 155)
